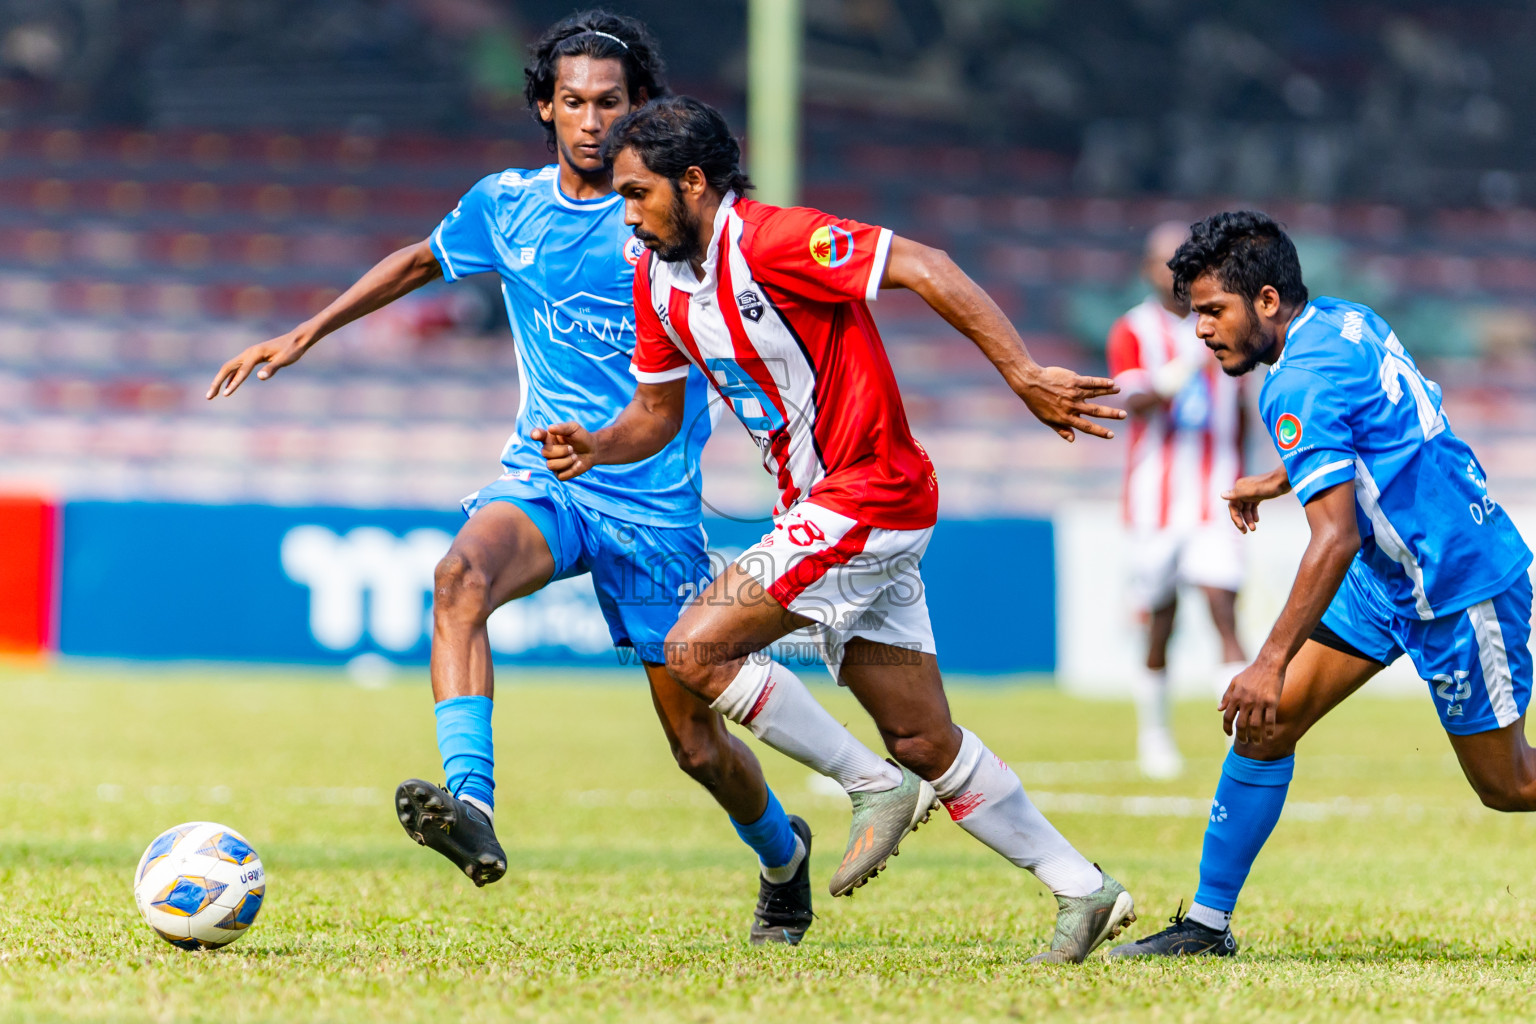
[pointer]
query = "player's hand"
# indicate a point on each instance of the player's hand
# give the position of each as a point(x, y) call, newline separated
point(1061, 399)
point(569, 449)
point(1244, 497)
point(270, 355)
point(1251, 705)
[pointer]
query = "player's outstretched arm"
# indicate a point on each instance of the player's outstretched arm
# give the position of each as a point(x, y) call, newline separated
point(395, 275)
point(1059, 398)
point(1244, 497)
point(650, 420)
point(1250, 704)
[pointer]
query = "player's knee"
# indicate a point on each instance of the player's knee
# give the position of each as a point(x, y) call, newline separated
point(460, 589)
point(686, 659)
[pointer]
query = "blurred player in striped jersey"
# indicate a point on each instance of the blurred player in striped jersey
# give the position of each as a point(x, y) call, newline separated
point(773, 304)
point(1186, 450)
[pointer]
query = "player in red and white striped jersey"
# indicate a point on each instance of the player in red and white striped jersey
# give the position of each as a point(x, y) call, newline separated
point(773, 305)
point(1186, 449)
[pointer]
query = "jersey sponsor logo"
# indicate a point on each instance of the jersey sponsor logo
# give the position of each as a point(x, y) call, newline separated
point(586, 322)
point(750, 305)
point(633, 250)
point(831, 246)
point(1287, 432)
point(751, 404)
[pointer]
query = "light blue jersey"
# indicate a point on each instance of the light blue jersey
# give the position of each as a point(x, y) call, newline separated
point(1345, 402)
point(567, 271)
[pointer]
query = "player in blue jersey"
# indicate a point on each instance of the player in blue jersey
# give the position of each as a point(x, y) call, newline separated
point(556, 236)
point(1409, 554)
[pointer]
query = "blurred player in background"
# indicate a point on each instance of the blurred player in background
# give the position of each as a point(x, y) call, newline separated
point(774, 304)
point(557, 238)
point(1186, 450)
point(1408, 555)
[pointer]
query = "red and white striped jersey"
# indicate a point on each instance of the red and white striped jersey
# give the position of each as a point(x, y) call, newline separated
point(780, 324)
point(1187, 451)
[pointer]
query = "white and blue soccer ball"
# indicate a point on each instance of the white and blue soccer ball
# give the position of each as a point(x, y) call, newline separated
point(199, 885)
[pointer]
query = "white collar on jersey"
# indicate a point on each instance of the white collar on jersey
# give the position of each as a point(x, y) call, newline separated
point(683, 278)
point(582, 205)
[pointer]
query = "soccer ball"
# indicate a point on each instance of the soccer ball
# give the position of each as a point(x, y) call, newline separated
point(199, 885)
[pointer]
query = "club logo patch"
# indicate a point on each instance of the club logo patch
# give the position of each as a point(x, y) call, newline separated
point(633, 250)
point(831, 246)
point(750, 305)
point(1287, 432)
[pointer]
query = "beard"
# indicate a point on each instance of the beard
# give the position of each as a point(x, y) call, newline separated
point(685, 245)
point(1255, 347)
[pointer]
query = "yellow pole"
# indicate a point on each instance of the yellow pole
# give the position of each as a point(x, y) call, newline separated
point(774, 32)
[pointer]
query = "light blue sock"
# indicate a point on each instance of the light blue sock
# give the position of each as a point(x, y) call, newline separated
point(1248, 802)
point(464, 740)
point(770, 836)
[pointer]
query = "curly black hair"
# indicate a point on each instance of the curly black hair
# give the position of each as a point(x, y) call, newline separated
point(679, 132)
point(1246, 250)
point(601, 35)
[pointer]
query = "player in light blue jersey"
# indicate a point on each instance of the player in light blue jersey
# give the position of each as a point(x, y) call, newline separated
point(556, 236)
point(1409, 554)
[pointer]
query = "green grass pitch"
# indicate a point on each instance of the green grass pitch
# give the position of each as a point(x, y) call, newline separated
point(1387, 891)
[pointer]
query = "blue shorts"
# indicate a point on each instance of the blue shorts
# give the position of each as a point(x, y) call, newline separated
point(1477, 661)
point(643, 575)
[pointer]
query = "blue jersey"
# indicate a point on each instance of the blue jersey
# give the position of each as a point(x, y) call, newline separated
point(567, 273)
point(1345, 402)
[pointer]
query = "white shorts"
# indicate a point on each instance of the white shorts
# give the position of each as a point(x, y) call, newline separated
point(1209, 555)
point(851, 579)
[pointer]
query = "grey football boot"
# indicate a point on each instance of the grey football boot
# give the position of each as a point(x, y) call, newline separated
point(1084, 922)
point(783, 912)
point(880, 822)
point(1182, 937)
point(440, 821)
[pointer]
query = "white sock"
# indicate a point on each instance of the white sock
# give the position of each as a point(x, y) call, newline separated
point(784, 872)
point(1152, 699)
point(1215, 920)
point(987, 799)
point(482, 807)
point(774, 704)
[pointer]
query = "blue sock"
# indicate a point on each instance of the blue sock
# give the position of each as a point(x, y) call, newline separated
point(1248, 801)
point(770, 836)
point(464, 740)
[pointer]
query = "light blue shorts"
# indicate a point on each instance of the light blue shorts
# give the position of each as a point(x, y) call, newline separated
point(1477, 661)
point(643, 575)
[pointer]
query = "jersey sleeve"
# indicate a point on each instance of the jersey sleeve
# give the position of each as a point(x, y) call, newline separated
point(656, 360)
point(1123, 352)
point(1307, 418)
point(464, 242)
point(817, 256)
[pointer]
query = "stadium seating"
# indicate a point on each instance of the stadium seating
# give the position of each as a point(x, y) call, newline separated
point(133, 263)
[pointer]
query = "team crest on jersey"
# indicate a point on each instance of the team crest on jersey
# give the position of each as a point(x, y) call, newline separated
point(1287, 432)
point(831, 246)
point(750, 305)
point(633, 250)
